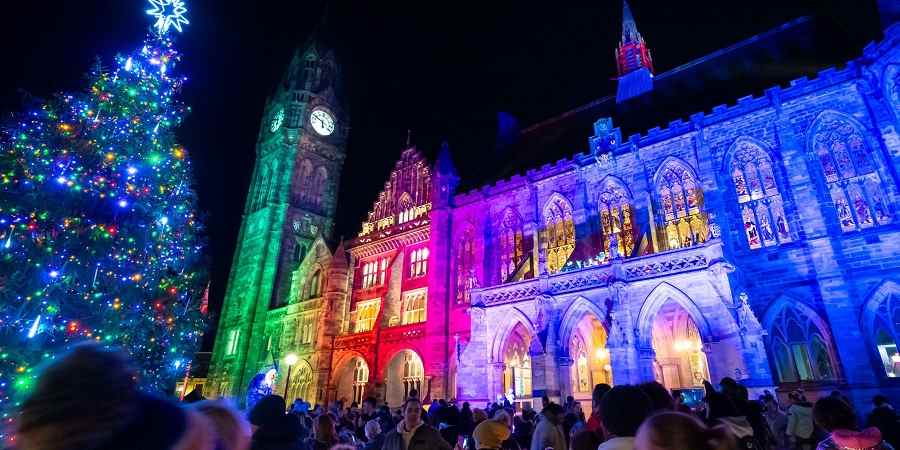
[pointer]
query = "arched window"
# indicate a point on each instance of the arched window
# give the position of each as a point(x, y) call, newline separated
point(319, 185)
point(799, 346)
point(849, 168)
point(301, 383)
point(512, 250)
point(681, 200)
point(304, 180)
point(581, 381)
point(405, 209)
point(616, 217)
point(759, 200)
point(886, 329)
point(412, 373)
point(465, 266)
point(414, 307)
point(559, 233)
point(315, 289)
point(360, 378)
point(418, 262)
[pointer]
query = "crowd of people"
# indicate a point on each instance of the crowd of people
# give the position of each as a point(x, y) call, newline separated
point(89, 400)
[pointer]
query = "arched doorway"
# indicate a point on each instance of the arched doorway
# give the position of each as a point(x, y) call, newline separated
point(404, 373)
point(680, 361)
point(590, 358)
point(881, 322)
point(517, 363)
point(351, 384)
point(301, 384)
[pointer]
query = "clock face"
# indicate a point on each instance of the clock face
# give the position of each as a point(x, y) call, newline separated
point(322, 122)
point(277, 120)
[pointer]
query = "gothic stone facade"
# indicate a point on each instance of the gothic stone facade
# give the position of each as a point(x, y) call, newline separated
point(759, 241)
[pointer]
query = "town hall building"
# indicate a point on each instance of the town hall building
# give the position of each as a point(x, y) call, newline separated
point(758, 239)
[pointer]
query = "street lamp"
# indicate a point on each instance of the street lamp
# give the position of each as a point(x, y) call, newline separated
point(290, 360)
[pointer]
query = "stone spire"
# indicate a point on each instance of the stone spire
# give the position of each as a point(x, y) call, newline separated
point(632, 60)
point(445, 178)
point(629, 27)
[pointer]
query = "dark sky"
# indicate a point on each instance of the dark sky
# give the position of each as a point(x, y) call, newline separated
point(443, 69)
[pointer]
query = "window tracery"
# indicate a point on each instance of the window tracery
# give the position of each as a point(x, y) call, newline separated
point(683, 218)
point(616, 213)
point(758, 197)
point(559, 233)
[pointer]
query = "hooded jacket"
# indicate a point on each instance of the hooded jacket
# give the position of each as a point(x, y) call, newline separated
point(424, 438)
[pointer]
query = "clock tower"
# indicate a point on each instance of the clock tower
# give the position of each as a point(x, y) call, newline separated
point(300, 151)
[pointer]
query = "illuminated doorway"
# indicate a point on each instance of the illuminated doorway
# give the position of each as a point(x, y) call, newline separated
point(680, 361)
point(517, 364)
point(591, 363)
point(405, 372)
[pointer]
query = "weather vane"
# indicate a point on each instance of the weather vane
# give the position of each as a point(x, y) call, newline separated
point(168, 14)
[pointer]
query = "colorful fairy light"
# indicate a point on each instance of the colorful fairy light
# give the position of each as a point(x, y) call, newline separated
point(100, 239)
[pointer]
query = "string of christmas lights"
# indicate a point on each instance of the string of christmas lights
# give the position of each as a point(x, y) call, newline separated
point(99, 238)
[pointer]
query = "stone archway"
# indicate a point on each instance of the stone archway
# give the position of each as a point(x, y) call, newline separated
point(352, 380)
point(404, 372)
point(680, 360)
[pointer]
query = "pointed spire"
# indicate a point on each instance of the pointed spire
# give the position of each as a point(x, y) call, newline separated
point(629, 27)
point(408, 138)
point(339, 259)
point(444, 164)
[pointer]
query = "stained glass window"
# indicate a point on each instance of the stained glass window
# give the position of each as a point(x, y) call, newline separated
point(559, 233)
point(465, 265)
point(616, 217)
point(512, 250)
point(800, 347)
point(684, 221)
point(414, 307)
point(848, 165)
point(762, 211)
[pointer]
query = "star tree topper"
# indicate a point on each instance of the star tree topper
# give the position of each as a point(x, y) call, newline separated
point(168, 14)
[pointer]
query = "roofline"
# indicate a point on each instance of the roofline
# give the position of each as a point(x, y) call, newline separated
point(671, 72)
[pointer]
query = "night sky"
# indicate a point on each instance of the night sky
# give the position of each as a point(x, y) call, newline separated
point(442, 69)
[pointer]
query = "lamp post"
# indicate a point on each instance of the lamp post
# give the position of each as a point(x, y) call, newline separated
point(290, 360)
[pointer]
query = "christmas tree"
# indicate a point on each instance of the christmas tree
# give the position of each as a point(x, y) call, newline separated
point(99, 238)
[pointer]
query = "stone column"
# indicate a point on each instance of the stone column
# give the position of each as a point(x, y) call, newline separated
point(564, 377)
point(646, 363)
point(495, 380)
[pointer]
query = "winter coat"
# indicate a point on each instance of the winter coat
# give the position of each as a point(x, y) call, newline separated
point(424, 438)
point(800, 421)
point(868, 439)
point(281, 433)
point(546, 434)
point(375, 444)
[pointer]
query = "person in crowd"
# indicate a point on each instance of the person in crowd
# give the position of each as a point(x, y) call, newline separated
point(412, 433)
point(273, 429)
point(491, 433)
point(585, 439)
point(625, 407)
point(522, 429)
point(721, 410)
point(595, 422)
point(680, 431)
point(548, 432)
point(545, 400)
point(776, 419)
point(528, 412)
point(838, 418)
point(374, 436)
point(660, 398)
point(466, 420)
point(885, 419)
point(232, 431)
point(324, 435)
point(88, 399)
point(800, 427)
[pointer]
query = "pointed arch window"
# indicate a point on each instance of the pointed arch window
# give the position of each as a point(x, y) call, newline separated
point(360, 378)
point(465, 266)
point(559, 233)
point(683, 218)
point(319, 187)
point(581, 381)
point(412, 373)
point(315, 288)
point(616, 213)
point(887, 334)
point(301, 383)
point(512, 249)
point(848, 165)
point(414, 307)
point(758, 197)
point(303, 182)
point(800, 347)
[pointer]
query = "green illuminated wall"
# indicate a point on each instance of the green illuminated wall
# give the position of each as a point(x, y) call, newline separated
point(290, 204)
